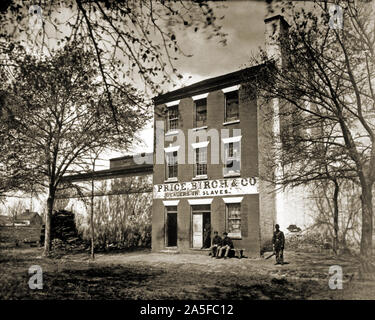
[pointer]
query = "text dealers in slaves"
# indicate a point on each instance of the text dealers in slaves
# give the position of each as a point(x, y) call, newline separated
point(206, 188)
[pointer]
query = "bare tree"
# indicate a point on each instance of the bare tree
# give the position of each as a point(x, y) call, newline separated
point(16, 209)
point(335, 212)
point(131, 39)
point(326, 76)
point(62, 116)
point(14, 171)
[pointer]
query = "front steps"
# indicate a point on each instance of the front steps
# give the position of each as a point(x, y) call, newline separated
point(171, 250)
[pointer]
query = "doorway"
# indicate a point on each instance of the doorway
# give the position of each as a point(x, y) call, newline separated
point(171, 226)
point(201, 226)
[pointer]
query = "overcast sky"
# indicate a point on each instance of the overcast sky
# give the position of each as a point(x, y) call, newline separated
point(244, 24)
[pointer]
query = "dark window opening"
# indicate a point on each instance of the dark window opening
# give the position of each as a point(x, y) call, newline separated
point(172, 118)
point(200, 161)
point(200, 113)
point(172, 165)
point(231, 106)
point(232, 163)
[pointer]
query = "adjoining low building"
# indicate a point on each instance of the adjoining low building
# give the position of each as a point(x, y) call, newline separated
point(26, 218)
point(6, 221)
point(122, 202)
point(22, 228)
point(29, 219)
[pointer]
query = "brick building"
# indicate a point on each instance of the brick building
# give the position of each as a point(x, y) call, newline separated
point(208, 140)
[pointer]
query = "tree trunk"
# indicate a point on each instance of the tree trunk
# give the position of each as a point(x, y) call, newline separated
point(336, 218)
point(92, 213)
point(47, 237)
point(367, 223)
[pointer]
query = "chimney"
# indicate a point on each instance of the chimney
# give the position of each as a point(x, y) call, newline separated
point(276, 28)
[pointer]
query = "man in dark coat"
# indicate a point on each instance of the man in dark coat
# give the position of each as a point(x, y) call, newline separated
point(216, 244)
point(226, 244)
point(278, 241)
point(207, 236)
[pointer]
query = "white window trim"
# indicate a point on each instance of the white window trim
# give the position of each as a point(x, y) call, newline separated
point(232, 175)
point(171, 132)
point(230, 122)
point(173, 103)
point(171, 149)
point(193, 202)
point(200, 128)
point(200, 144)
point(231, 139)
point(233, 200)
point(230, 89)
point(170, 203)
point(200, 177)
point(200, 96)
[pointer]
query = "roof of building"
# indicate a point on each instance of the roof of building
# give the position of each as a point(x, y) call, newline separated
point(128, 160)
point(111, 173)
point(5, 220)
point(208, 85)
point(28, 215)
point(120, 166)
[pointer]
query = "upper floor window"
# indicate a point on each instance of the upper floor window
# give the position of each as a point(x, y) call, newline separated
point(172, 165)
point(200, 113)
point(231, 106)
point(232, 154)
point(172, 123)
point(200, 165)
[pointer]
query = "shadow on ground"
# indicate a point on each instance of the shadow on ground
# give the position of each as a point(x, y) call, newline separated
point(147, 275)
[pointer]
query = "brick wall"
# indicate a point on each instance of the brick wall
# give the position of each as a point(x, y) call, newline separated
point(250, 219)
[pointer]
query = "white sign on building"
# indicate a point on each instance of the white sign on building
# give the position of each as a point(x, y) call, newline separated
point(206, 188)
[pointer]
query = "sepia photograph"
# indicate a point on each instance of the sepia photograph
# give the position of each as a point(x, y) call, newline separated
point(187, 155)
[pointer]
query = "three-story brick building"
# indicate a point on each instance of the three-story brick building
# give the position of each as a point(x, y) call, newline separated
point(208, 141)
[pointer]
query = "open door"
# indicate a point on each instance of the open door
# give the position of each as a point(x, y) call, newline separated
point(201, 226)
point(197, 230)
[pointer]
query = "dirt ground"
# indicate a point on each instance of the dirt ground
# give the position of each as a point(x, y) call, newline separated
point(145, 275)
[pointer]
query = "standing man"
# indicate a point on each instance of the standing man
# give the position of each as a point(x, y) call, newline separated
point(278, 241)
point(216, 243)
point(207, 236)
point(226, 244)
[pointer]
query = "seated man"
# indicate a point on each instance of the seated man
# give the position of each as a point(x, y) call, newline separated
point(216, 243)
point(226, 244)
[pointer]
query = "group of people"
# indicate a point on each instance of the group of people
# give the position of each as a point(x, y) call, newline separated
point(220, 244)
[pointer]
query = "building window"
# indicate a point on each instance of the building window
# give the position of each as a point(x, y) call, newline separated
point(232, 161)
point(172, 165)
point(200, 161)
point(172, 118)
point(234, 219)
point(231, 106)
point(200, 113)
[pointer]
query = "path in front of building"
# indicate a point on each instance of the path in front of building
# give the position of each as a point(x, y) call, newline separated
point(313, 266)
point(310, 270)
point(145, 275)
